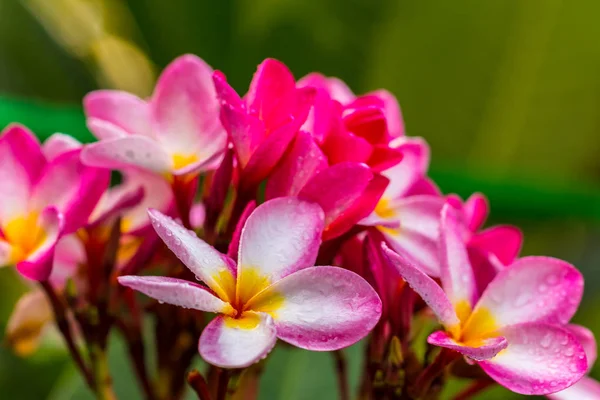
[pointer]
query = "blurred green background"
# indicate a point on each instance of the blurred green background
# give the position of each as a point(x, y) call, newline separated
point(506, 92)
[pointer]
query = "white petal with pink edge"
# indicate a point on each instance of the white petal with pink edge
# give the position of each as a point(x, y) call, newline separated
point(121, 109)
point(213, 268)
point(177, 292)
point(69, 255)
point(410, 170)
point(281, 236)
point(533, 289)
point(540, 359)
point(320, 308)
point(431, 293)
point(586, 389)
point(58, 144)
point(133, 151)
point(587, 340)
point(232, 343)
point(484, 350)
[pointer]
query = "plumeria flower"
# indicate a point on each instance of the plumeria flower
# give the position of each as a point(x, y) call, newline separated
point(516, 330)
point(408, 212)
point(40, 200)
point(263, 123)
point(273, 292)
point(176, 132)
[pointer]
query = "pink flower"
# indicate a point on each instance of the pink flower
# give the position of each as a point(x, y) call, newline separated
point(41, 199)
point(516, 330)
point(265, 121)
point(408, 212)
point(176, 132)
point(274, 292)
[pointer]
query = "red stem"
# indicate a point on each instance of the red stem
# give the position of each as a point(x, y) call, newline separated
point(433, 371)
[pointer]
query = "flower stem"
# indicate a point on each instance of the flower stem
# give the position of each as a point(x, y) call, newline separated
point(62, 322)
point(198, 384)
point(222, 384)
point(433, 371)
point(103, 380)
point(342, 374)
point(473, 389)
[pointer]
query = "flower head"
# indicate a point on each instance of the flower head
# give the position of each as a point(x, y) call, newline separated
point(41, 199)
point(176, 132)
point(516, 329)
point(273, 292)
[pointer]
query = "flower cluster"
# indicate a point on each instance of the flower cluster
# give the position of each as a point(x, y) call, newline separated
point(223, 204)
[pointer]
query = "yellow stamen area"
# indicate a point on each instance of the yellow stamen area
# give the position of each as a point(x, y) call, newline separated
point(250, 283)
point(24, 234)
point(224, 285)
point(183, 160)
point(463, 310)
point(248, 320)
point(128, 246)
point(384, 210)
point(479, 326)
point(268, 301)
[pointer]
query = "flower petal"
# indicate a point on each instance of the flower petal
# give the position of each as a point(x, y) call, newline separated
point(234, 244)
point(69, 255)
point(237, 343)
point(542, 289)
point(320, 308)
point(540, 359)
point(132, 151)
point(476, 210)
point(22, 162)
point(280, 237)
point(456, 275)
point(208, 265)
point(427, 288)
point(58, 144)
point(587, 340)
point(410, 170)
point(5, 254)
point(487, 349)
point(123, 110)
point(178, 292)
point(31, 315)
point(504, 242)
point(185, 109)
point(586, 389)
point(391, 109)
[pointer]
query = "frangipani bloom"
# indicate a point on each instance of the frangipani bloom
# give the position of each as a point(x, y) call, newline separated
point(273, 292)
point(176, 132)
point(408, 213)
point(516, 330)
point(40, 200)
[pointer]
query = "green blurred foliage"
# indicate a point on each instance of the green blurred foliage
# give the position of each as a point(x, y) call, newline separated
point(505, 91)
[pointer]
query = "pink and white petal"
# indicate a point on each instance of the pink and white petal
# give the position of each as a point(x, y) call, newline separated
point(340, 91)
point(393, 114)
point(271, 83)
point(427, 288)
point(280, 237)
point(586, 389)
point(416, 248)
point(134, 151)
point(38, 265)
point(22, 163)
point(410, 170)
point(58, 144)
point(209, 163)
point(540, 359)
point(105, 130)
point(31, 315)
point(485, 350)
point(424, 186)
point(116, 200)
point(458, 279)
point(476, 210)
point(157, 195)
point(587, 340)
point(206, 263)
point(185, 110)
point(121, 109)
point(503, 241)
point(321, 308)
point(69, 255)
point(303, 160)
point(226, 344)
point(533, 289)
point(234, 245)
point(178, 292)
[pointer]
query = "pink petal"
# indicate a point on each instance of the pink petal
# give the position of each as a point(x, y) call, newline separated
point(73, 188)
point(323, 308)
point(120, 109)
point(22, 163)
point(38, 264)
point(234, 245)
point(226, 344)
point(157, 195)
point(457, 275)
point(366, 121)
point(105, 130)
point(133, 151)
point(586, 389)
point(427, 288)
point(335, 87)
point(424, 186)
point(393, 114)
point(476, 210)
point(541, 289)
point(540, 359)
point(504, 242)
point(69, 255)
point(587, 340)
point(207, 264)
point(303, 160)
point(115, 201)
point(280, 237)
point(342, 146)
point(383, 158)
point(185, 109)
point(410, 170)
point(197, 215)
point(58, 144)
point(178, 292)
point(485, 350)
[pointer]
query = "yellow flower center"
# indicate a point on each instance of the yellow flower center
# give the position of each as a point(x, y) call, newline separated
point(183, 160)
point(384, 210)
point(25, 235)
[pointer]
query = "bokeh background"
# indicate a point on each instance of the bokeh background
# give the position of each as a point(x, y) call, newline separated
point(507, 92)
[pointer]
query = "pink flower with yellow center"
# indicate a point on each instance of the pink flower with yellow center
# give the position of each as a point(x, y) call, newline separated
point(41, 198)
point(273, 292)
point(516, 330)
point(176, 132)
